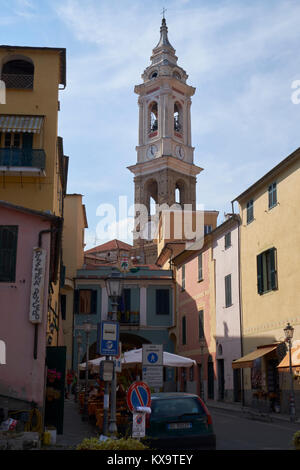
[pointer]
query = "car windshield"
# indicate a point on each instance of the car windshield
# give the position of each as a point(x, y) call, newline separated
point(172, 407)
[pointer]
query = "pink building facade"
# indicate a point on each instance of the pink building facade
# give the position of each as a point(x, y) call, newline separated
point(196, 321)
point(227, 305)
point(22, 377)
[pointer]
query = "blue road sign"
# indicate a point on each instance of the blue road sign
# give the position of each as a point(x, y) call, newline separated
point(109, 344)
point(152, 358)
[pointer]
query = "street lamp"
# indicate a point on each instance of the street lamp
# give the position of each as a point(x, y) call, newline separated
point(79, 350)
point(114, 287)
point(87, 326)
point(289, 331)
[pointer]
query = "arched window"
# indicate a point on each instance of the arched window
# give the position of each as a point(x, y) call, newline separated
point(177, 118)
point(153, 121)
point(179, 192)
point(153, 75)
point(151, 190)
point(18, 72)
point(177, 75)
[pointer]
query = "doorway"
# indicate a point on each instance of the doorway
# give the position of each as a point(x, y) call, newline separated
point(221, 380)
point(210, 378)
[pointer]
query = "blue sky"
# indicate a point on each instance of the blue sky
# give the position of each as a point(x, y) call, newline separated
point(242, 57)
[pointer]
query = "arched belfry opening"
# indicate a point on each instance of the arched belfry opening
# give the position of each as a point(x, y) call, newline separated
point(177, 117)
point(153, 117)
point(179, 192)
point(151, 193)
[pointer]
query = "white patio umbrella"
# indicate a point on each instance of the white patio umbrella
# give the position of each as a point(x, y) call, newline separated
point(171, 360)
point(135, 357)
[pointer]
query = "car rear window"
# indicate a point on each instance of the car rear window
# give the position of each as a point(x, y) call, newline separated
point(172, 407)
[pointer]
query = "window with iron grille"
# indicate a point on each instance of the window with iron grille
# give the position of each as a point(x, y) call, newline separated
point(8, 252)
point(272, 195)
point(267, 271)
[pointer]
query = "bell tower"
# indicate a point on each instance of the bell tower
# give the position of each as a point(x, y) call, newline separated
point(165, 172)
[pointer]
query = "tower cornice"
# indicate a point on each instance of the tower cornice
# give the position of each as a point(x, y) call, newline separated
point(167, 161)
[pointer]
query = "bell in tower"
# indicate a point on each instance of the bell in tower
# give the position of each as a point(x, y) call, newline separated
point(165, 172)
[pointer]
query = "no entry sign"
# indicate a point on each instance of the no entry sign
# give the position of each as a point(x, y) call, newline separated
point(138, 395)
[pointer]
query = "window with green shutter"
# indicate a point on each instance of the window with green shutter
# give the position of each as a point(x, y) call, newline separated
point(183, 330)
point(227, 240)
point(272, 195)
point(267, 271)
point(250, 211)
point(228, 296)
point(8, 252)
point(200, 267)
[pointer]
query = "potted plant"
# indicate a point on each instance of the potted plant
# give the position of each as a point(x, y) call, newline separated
point(296, 440)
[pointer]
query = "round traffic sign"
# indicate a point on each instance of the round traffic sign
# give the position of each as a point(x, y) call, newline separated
point(138, 395)
point(152, 358)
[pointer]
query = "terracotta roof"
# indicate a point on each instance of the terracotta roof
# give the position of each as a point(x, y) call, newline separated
point(110, 246)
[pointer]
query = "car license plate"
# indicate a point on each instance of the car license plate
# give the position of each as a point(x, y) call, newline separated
point(179, 425)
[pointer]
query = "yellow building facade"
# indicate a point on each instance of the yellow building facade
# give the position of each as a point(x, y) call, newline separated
point(270, 277)
point(33, 167)
point(75, 222)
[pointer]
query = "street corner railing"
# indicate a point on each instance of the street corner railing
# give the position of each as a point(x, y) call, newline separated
point(16, 80)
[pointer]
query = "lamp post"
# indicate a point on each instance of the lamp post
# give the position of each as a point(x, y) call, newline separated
point(79, 350)
point(289, 331)
point(114, 291)
point(87, 326)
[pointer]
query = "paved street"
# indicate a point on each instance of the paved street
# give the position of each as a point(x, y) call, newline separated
point(235, 432)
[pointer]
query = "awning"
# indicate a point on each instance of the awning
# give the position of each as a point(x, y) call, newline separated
point(247, 361)
point(10, 123)
point(284, 365)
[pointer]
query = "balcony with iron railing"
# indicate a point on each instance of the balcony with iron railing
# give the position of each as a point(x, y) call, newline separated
point(16, 80)
point(25, 160)
point(128, 317)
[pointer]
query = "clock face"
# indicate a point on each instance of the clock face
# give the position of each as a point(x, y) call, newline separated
point(180, 152)
point(152, 151)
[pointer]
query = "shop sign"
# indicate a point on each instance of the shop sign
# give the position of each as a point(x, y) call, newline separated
point(37, 285)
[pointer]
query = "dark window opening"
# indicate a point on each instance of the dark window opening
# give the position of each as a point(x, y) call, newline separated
point(201, 324)
point(85, 301)
point(200, 267)
point(153, 117)
point(8, 252)
point(177, 118)
point(162, 302)
point(63, 306)
point(183, 330)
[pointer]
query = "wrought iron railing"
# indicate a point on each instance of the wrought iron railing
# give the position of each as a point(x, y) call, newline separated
point(15, 80)
point(129, 317)
point(32, 158)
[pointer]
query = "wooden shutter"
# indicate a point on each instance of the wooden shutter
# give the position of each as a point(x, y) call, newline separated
point(228, 299)
point(260, 286)
point(93, 301)
point(273, 268)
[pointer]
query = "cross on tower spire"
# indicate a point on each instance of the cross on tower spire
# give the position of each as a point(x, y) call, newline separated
point(163, 12)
